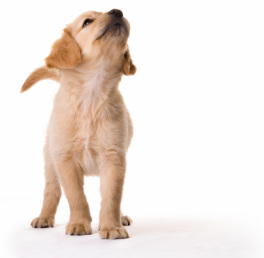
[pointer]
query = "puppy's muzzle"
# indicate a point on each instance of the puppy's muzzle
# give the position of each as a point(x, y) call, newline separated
point(116, 21)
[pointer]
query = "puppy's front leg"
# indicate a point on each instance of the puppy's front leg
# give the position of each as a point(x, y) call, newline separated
point(112, 173)
point(72, 180)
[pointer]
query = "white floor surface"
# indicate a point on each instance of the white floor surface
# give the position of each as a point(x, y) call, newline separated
point(149, 237)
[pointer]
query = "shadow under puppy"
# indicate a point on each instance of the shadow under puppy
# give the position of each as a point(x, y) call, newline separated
point(90, 128)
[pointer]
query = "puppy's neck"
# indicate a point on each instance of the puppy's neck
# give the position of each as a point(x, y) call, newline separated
point(90, 87)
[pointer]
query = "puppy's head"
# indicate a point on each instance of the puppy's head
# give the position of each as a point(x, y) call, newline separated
point(91, 38)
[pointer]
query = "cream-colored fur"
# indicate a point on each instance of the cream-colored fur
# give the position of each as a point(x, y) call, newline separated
point(90, 128)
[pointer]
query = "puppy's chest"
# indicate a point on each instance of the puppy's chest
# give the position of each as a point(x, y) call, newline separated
point(84, 133)
point(87, 145)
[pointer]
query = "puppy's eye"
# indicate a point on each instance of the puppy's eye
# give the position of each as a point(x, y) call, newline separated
point(87, 21)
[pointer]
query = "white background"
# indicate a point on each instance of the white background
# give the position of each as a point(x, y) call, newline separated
point(194, 184)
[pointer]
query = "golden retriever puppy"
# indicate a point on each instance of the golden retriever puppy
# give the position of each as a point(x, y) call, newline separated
point(90, 128)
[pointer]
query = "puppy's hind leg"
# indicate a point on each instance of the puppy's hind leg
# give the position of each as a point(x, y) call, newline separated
point(125, 220)
point(52, 196)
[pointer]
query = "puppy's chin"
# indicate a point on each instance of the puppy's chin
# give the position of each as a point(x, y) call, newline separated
point(115, 32)
point(115, 35)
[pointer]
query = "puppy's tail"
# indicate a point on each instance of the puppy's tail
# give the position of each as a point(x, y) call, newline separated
point(39, 74)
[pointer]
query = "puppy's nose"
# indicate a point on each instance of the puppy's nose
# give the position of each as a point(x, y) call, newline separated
point(116, 13)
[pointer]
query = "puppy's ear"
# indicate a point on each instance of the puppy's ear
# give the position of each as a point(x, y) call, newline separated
point(65, 53)
point(128, 67)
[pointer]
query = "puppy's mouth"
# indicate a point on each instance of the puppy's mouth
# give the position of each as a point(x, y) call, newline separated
point(116, 24)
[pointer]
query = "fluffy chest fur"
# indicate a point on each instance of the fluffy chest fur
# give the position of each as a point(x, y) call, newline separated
point(87, 121)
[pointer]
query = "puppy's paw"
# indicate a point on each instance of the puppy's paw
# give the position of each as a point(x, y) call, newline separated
point(42, 222)
point(126, 221)
point(113, 233)
point(78, 229)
